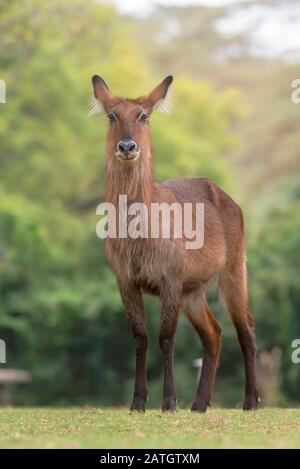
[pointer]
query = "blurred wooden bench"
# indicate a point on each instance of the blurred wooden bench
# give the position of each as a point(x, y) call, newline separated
point(8, 377)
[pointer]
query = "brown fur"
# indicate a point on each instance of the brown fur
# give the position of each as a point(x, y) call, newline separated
point(165, 268)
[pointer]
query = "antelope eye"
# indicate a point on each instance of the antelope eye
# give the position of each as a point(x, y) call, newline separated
point(112, 117)
point(143, 117)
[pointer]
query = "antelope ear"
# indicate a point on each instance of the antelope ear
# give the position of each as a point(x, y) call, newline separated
point(102, 100)
point(158, 99)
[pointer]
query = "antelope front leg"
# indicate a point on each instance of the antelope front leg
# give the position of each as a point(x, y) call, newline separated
point(166, 342)
point(134, 309)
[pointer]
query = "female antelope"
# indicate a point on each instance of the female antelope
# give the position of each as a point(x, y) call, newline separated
point(164, 267)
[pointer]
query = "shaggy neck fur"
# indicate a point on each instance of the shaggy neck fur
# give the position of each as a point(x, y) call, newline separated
point(133, 179)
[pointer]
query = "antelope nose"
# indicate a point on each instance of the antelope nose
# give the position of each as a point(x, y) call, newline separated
point(126, 147)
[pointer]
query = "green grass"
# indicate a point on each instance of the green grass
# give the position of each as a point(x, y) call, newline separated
point(113, 428)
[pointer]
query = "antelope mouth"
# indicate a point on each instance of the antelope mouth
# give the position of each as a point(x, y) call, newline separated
point(128, 157)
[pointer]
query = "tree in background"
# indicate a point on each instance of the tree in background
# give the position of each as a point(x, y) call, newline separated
point(267, 162)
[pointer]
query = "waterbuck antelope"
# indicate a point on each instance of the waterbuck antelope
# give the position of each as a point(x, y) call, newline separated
point(164, 267)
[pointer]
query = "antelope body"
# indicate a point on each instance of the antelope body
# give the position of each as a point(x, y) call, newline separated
point(164, 267)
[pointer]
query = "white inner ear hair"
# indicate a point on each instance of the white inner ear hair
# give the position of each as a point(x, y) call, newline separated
point(164, 105)
point(94, 106)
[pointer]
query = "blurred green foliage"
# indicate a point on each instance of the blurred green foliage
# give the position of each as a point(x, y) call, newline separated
point(60, 310)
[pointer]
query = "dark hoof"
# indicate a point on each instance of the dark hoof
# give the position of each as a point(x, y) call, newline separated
point(138, 405)
point(169, 405)
point(199, 406)
point(250, 403)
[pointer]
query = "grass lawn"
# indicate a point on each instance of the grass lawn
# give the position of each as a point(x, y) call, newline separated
point(113, 428)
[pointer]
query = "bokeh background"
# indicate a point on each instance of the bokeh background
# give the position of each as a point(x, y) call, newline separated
point(233, 121)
